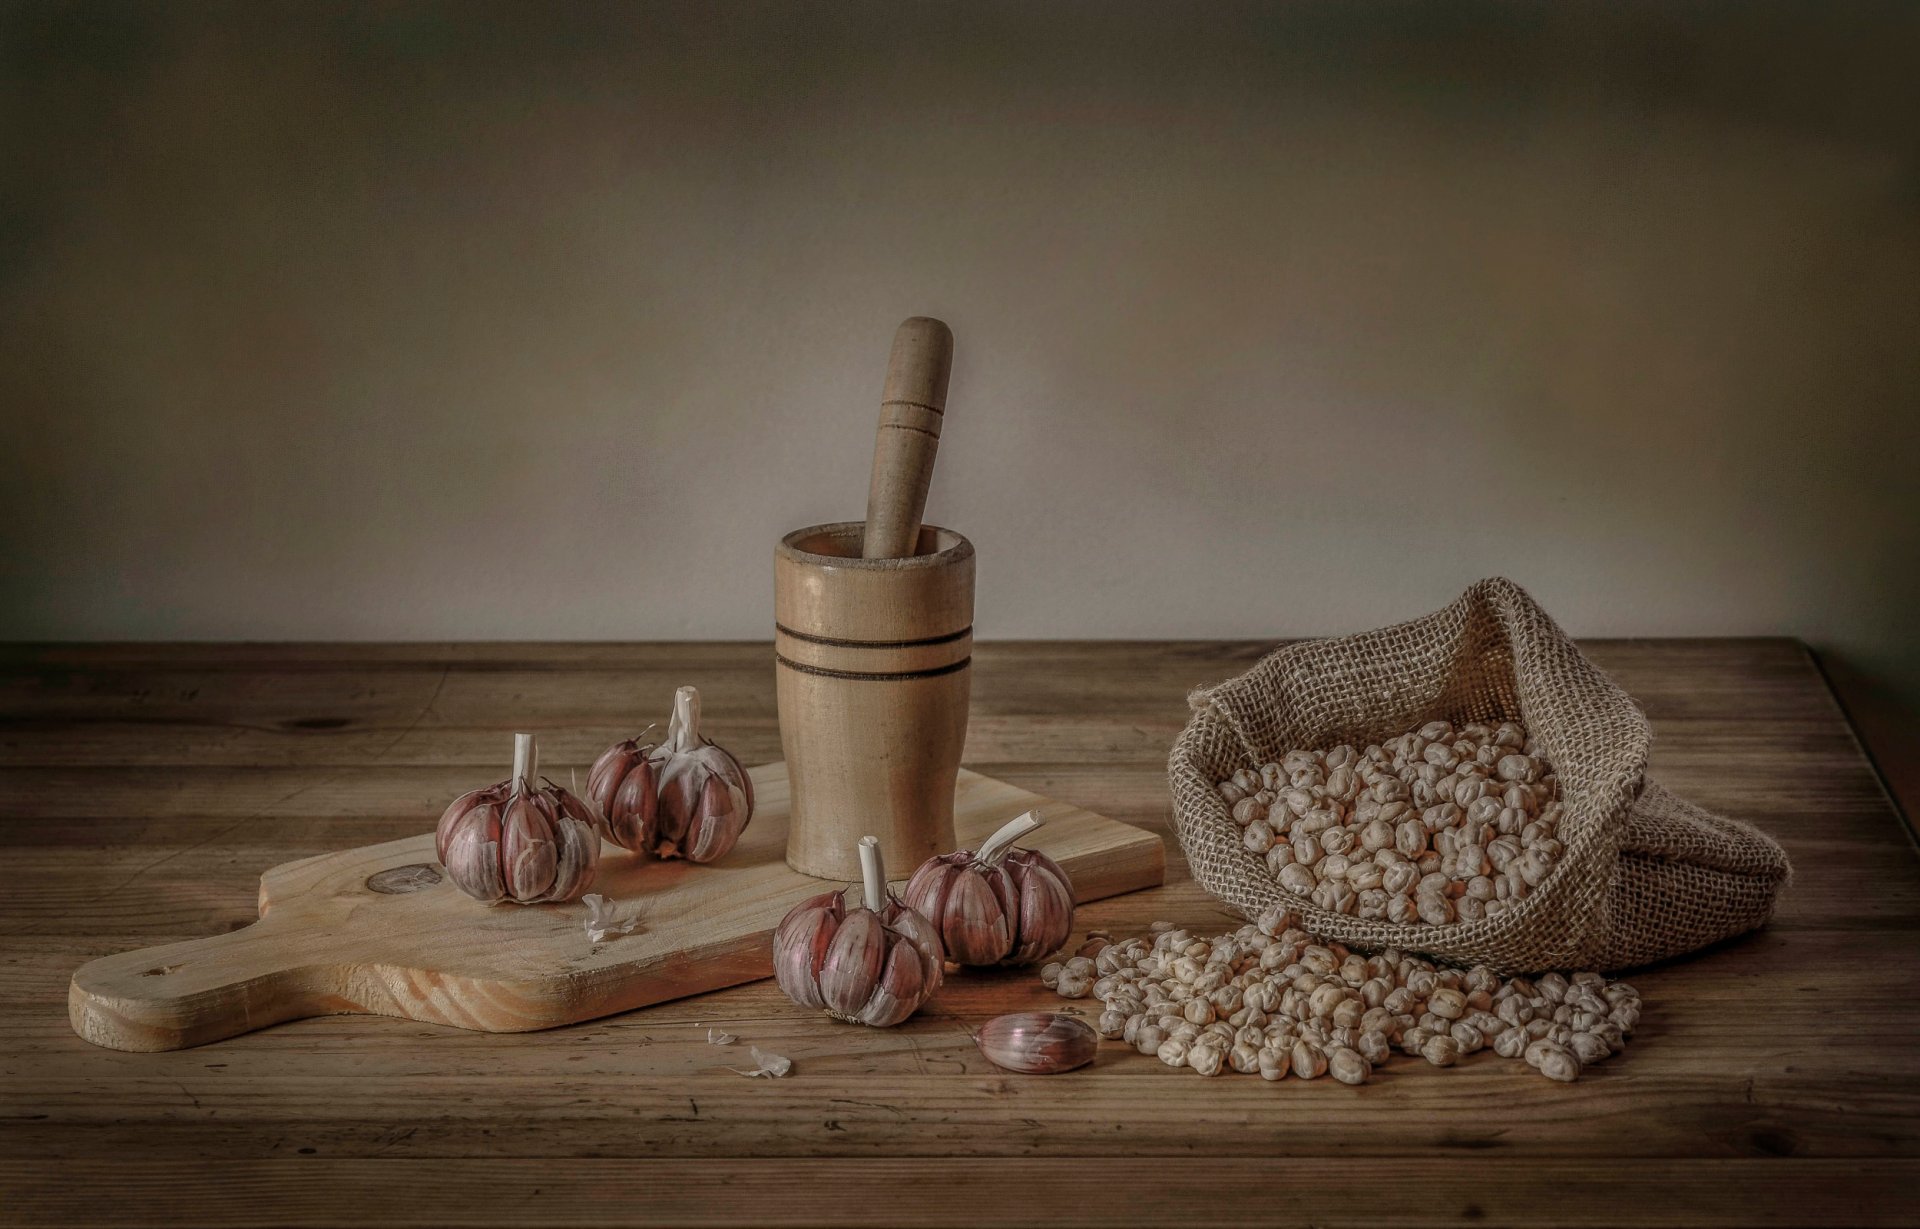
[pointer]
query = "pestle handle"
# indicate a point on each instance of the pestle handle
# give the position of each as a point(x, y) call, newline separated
point(911, 410)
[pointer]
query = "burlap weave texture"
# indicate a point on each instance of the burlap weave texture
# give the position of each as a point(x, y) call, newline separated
point(1644, 876)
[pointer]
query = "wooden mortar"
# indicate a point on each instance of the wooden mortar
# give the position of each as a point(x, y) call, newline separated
point(873, 652)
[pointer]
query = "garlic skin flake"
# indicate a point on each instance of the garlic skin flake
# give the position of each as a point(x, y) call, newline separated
point(603, 920)
point(767, 1066)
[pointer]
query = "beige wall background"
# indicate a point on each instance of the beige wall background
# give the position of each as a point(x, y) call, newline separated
point(450, 320)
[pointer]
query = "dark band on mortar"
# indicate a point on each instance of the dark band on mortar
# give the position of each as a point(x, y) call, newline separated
point(832, 642)
point(879, 677)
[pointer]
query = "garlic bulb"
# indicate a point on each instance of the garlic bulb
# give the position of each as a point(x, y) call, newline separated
point(684, 797)
point(999, 906)
point(517, 841)
point(867, 966)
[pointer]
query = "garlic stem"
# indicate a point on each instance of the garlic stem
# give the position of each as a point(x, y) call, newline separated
point(526, 761)
point(874, 871)
point(1000, 843)
point(683, 731)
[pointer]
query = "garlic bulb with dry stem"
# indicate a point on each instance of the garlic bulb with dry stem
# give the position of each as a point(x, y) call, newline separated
point(872, 965)
point(684, 797)
point(519, 842)
point(1000, 905)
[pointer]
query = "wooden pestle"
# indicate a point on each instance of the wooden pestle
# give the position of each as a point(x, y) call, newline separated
point(912, 408)
point(873, 645)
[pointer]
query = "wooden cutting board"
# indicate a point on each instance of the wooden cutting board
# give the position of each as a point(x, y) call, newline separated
point(380, 931)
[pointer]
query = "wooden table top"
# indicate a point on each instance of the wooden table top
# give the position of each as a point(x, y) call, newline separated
point(1773, 1080)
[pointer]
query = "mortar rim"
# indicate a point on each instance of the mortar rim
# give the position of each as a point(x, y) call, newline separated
point(957, 551)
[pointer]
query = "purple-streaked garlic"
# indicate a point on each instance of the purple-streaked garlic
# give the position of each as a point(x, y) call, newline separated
point(684, 797)
point(999, 906)
point(518, 841)
point(872, 965)
point(1037, 1042)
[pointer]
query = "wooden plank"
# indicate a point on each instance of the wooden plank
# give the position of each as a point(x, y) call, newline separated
point(1767, 1073)
point(1096, 1191)
point(1721, 1086)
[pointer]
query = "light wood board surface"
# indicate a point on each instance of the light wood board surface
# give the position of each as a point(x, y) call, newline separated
point(1773, 1080)
point(380, 930)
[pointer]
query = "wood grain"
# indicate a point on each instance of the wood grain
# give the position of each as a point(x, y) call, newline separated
point(380, 930)
point(1774, 1079)
point(1095, 1192)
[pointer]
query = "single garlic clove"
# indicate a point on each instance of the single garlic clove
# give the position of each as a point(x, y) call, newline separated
point(474, 867)
point(634, 810)
point(902, 986)
point(1046, 906)
point(919, 933)
point(973, 923)
point(577, 831)
point(526, 848)
point(1037, 1042)
point(800, 947)
point(927, 891)
point(576, 857)
point(716, 822)
point(1006, 889)
point(610, 771)
point(449, 819)
point(679, 780)
point(853, 963)
point(482, 821)
point(473, 854)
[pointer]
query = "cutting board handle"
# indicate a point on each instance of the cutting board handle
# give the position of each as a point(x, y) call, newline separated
point(187, 994)
point(912, 407)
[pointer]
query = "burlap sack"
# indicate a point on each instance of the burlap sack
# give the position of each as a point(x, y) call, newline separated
point(1644, 875)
